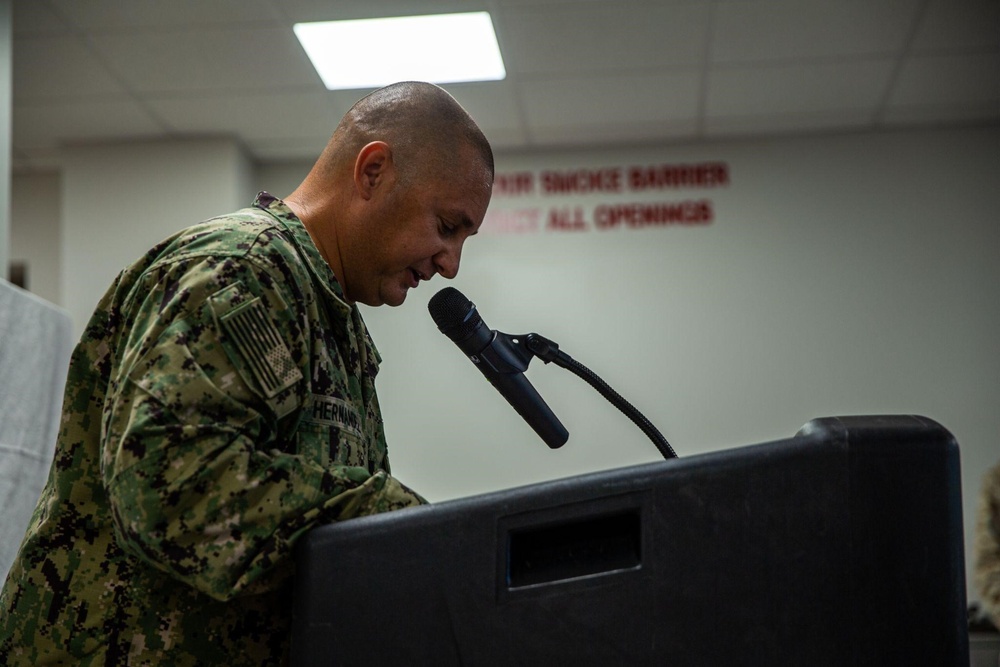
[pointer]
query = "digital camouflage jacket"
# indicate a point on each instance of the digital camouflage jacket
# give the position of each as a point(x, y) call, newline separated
point(220, 403)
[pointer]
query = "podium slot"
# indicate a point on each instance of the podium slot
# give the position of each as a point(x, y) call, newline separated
point(579, 548)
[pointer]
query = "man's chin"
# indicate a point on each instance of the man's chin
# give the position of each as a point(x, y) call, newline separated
point(394, 299)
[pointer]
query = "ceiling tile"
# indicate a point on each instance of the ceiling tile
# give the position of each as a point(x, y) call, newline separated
point(210, 59)
point(599, 110)
point(268, 119)
point(45, 126)
point(58, 68)
point(106, 15)
point(754, 31)
point(607, 37)
point(941, 115)
point(793, 123)
point(807, 88)
point(953, 81)
point(581, 72)
point(506, 138)
point(621, 99)
point(256, 116)
point(31, 17)
point(619, 134)
point(569, 5)
point(264, 126)
point(325, 10)
point(495, 107)
point(951, 25)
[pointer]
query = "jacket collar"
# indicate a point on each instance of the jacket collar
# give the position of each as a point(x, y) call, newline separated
point(310, 254)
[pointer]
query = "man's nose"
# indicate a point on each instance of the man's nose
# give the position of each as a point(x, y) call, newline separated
point(446, 262)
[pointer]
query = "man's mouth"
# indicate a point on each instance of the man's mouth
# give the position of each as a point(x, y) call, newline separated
point(415, 277)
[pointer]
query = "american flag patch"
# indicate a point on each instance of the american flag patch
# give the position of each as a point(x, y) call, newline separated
point(255, 336)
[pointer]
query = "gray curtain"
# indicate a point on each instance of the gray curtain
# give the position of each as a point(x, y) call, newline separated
point(36, 339)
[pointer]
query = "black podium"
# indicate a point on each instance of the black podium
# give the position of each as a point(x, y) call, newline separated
point(839, 546)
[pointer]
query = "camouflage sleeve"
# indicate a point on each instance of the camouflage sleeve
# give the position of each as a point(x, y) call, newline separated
point(987, 545)
point(201, 471)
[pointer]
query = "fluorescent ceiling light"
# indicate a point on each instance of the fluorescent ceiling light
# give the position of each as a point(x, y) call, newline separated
point(369, 53)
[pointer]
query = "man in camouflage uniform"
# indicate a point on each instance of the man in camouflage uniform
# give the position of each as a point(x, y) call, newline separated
point(987, 545)
point(221, 402)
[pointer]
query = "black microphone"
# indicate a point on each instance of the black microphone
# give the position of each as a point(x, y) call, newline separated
point(501, 358)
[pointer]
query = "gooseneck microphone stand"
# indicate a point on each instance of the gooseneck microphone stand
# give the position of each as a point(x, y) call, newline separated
point(535, 345)
point(503, 358)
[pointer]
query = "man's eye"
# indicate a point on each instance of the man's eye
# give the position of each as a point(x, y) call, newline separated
point(446, 229)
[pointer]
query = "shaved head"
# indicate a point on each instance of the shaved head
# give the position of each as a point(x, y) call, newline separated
point(403, 182)
point(423, 124)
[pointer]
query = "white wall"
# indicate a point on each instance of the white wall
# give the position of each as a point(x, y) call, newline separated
point(842, 275)
point(118, 200)
point(280, 178)
point(36, 230)
point(847, 274)
point(851, 274)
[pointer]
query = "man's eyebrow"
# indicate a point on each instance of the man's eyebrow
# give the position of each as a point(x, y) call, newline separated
point(465, 221)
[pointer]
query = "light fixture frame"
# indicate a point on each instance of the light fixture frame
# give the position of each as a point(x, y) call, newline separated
point(370, 53)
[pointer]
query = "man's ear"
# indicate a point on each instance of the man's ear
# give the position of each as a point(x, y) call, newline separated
point(372, 168)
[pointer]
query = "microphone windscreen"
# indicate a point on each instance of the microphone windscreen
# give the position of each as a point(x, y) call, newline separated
point(453, 313)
